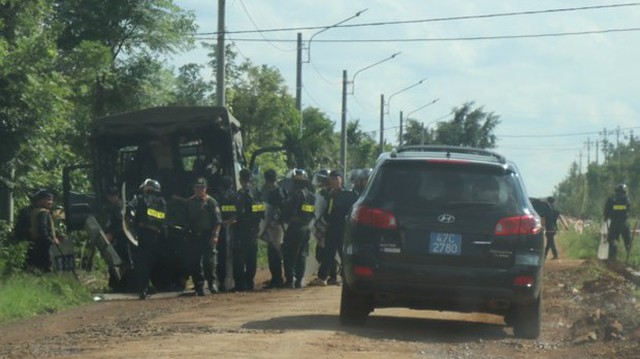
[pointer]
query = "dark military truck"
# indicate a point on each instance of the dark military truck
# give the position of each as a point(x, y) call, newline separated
point(173, 145)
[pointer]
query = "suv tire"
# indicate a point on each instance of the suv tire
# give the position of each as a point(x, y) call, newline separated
point(527, 320)
point(354, 307)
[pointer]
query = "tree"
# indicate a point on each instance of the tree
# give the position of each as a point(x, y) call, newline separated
point(416, 134)
point(362, 148)
point(469, 127)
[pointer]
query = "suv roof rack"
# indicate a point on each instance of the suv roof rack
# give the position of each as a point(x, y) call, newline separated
point(449, 150)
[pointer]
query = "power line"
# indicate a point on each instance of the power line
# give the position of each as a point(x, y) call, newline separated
point(565, 134)
point(444, 39)
point(260, 31)
point(441, 19)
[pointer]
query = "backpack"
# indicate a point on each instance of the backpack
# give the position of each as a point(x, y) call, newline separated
point(21, 227)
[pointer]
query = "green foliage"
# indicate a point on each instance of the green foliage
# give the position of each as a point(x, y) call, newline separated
point(24, 295)
point(581, 246)
point(583, 194)
point(472, 127)
point(12, 255)
point(362, 148)
point(469, 127)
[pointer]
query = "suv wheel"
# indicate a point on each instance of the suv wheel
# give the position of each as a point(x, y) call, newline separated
point(527, 320)
point(354, 307)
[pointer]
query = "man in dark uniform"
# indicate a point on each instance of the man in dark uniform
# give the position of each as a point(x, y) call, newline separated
point(340, 202)
point(41, 232)
point(245, 233)
point(298, 211)
point(226, 197)
point(551, 218)
point(204, 222)
point(149, 210)
point(617, 209)
point(273, 197)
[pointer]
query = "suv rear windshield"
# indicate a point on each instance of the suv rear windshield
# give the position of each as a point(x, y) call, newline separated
point(423, 184)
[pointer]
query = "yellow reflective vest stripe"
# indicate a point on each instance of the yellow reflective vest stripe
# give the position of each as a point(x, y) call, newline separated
point(308, 208)
point(619, 207)
point(258, 208)
point(155, 214)
point(228, 208)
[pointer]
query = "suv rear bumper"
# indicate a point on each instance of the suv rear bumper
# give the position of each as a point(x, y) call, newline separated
point(490, 290)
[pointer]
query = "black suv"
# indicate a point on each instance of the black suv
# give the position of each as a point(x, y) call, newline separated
point(444, 228)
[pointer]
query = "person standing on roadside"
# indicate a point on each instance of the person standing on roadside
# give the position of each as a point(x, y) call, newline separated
point(148, 212)
point(204, 221)
point(42, 233)
point(226, 197)
point(273, 231)
point(250, 211)
point(551, 227)
point(617, 210)
point(298, 211)
point(340, 202)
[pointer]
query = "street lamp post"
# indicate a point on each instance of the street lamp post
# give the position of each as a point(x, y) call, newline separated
point(388, 107)
point(299, 61)
point(345, 83)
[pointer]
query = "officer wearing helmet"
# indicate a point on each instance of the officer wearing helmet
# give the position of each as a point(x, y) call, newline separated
point(147, 211)
point(616, 210)
point(361, 180)
point(298, 211)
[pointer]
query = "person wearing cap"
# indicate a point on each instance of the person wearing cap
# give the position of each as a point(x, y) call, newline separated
point(148, 211)
point(41, 232)
point(204, 220)
point(249, 212)
point(340, 202)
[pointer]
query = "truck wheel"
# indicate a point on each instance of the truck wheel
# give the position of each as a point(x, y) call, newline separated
point(354, 307)
point(527, 320)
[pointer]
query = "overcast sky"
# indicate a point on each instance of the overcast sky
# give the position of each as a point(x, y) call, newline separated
point(552, 93)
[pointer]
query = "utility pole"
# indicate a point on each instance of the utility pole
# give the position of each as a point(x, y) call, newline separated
point(381, 123)
point(343, 140)
point(588, 152)
point(299, 76)
point(400, 139)
point(220, 58)
point(597, 150)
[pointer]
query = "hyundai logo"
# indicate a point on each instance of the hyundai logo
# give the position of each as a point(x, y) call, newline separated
point(446, 218)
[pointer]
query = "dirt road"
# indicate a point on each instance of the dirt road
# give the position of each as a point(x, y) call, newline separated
point(303, 323)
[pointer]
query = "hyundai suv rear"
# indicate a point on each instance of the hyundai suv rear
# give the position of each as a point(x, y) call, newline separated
point(444, 228)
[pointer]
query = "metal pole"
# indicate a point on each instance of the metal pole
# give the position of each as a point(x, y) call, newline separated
point(400, 139)
point(381, 123)
point(299, 77)
point(343, 142)
point(220, 75)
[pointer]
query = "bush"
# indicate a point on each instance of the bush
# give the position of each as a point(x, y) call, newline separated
point(12, 255)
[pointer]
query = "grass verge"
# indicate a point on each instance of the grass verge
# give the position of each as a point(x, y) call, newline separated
point(26, 295)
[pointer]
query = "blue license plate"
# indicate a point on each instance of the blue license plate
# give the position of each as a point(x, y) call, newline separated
point(445, 243)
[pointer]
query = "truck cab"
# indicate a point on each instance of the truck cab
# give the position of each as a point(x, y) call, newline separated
point(172, 145)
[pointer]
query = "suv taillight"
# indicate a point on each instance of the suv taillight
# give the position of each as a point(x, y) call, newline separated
point(527, 224)
point(374, 217)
